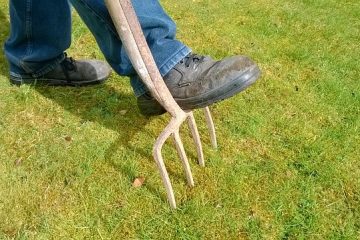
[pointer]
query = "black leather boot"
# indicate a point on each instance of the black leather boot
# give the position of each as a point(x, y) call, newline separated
point(69, 73)
point(198, 81)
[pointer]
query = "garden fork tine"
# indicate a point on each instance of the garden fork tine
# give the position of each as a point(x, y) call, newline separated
point(131, 35)
point(211, 127)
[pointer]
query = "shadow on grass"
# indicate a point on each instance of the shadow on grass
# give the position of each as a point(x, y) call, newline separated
point(101, 104)
point(4, 33)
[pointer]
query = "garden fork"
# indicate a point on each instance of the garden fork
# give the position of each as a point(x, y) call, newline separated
point(131, 35)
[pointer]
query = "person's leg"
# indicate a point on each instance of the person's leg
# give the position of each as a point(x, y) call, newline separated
point(158, 29)
point(194, 81)
point(40, 33)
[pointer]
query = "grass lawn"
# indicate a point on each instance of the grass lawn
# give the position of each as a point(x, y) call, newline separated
point(287, 166)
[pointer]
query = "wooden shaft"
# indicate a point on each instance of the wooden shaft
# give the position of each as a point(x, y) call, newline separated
point(130, 32)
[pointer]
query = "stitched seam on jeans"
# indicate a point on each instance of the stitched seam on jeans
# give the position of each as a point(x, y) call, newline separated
point(28, 32)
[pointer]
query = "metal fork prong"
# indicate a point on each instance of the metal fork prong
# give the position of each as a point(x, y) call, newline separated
point(185, 162)
point(211, 127)
point(196, 137)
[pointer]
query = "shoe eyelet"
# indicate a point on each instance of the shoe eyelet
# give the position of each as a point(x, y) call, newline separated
point(184, 84)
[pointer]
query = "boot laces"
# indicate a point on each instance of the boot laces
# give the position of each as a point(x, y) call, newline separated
point(192, 60)
point(68, 64)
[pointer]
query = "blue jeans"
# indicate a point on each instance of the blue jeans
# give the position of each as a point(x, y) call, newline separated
point(41, 32)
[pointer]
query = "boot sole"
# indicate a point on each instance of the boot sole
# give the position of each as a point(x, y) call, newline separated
point(55, 82)
point(225, 92)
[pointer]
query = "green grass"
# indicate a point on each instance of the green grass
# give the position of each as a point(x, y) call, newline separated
point(287, 166)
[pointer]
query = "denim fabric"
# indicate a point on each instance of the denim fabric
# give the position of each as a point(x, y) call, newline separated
point(41, 32)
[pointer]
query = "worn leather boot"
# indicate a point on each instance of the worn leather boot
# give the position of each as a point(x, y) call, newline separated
point(69, 73)
point(199, 81)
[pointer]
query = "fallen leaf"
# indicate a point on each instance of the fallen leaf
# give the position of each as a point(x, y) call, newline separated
point(138, 182)
point(123, 112)
point(18, 161)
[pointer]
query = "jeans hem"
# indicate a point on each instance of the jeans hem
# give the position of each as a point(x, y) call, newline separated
point(173, 60)
point(44, 70)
